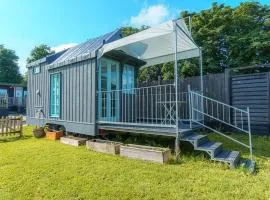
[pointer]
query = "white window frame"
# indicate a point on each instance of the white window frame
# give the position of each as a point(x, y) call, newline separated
point(35, 71)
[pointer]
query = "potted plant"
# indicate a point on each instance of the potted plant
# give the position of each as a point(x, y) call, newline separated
point(39, 132)
point(54, 132)
point(54, 135)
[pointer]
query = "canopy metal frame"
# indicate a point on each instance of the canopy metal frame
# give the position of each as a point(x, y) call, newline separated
point(177, 78)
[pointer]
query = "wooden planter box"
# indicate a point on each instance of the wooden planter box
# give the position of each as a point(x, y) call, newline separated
point(73, 141)
point(54, 135)
point(104, 146)
point(154, 154)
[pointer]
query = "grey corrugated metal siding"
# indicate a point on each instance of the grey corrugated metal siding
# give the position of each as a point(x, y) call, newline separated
point(252, 90)
point(77, 96)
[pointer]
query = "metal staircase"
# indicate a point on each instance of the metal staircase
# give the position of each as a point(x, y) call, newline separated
point(201, 109)
point(214, 149)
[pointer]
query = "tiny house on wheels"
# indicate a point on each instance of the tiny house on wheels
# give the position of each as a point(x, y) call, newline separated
point(92, 87)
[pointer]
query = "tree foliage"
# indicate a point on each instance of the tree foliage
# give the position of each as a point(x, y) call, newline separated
point(9, 69)
point(232, 37)
point(129, 30)
point(189, 68)
point(39, 52)
point(149, 73)
point(25, 80)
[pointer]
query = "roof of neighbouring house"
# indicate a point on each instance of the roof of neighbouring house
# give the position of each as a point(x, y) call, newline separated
point(11, 84)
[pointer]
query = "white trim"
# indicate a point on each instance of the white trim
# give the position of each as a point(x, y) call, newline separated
point(60, 120)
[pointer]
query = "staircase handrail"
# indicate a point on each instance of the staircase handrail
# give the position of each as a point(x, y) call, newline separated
point(201, 111)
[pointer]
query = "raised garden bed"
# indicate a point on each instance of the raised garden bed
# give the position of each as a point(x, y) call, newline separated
point(73, 141)
point(54, 135)
point(154, 154)
point(104, 146)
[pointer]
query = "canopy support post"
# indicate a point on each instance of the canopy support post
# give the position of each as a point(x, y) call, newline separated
point(176, 84)
point(201, 80)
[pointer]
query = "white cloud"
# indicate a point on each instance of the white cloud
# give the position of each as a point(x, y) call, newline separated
point(63, 47)
point(151, 15)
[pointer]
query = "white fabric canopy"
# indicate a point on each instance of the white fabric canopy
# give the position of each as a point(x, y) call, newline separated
point(157, 44)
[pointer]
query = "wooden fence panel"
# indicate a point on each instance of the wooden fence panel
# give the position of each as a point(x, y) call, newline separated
point(11, 125)
point(214, 85)
point(252, 90)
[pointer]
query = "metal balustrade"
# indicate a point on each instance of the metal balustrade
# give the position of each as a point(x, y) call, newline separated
point(3, 102)
point(156, 106)
point(151, 106)
point(6, 101)
point(203, 108)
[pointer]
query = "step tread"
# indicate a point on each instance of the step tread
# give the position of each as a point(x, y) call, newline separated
point(227, 156)
point(192, 137)
point(209, 145)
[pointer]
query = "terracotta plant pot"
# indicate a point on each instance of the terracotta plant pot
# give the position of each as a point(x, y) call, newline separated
point(54, 135)
point(39, 132)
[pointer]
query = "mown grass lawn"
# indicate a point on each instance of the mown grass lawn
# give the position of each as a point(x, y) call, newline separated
point(41, 169)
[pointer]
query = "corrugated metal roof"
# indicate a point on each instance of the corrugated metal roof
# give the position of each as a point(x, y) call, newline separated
point(88, 47)
point(49, 59)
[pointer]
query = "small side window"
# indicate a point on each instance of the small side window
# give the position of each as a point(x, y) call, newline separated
point(36, 69)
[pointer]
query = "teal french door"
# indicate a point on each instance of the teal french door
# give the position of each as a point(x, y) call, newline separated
point(55, 94)
point(108, 90)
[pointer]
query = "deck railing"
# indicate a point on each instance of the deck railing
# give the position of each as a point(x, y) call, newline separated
point(4, 101)
point(17, 101)
point(205, 108)
point(156, 106)
point(150, 106)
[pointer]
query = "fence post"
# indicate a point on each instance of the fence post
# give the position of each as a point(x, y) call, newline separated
point(2, 125)
point(227, 86)
point(249, 135)
point(21, 126)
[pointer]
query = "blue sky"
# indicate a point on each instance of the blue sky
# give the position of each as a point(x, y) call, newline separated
point(63, 23)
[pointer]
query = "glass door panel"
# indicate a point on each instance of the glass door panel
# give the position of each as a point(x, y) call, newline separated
point(109, 83)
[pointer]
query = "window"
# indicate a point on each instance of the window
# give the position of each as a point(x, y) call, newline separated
point(128, 79)
point(55, 94)
point(3, 92)
point(36, 69)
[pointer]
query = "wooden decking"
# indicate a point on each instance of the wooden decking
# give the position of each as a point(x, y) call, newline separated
point(146, 129)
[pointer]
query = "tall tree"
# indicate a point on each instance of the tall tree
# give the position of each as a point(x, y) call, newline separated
point(39, 52)
point(9, 69)
point(249, 42)
point(232, 37)
point(24, 80)
point(149, 73)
